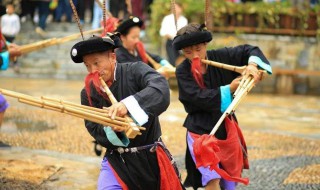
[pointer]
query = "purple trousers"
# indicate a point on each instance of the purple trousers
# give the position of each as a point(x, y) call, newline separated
point(107, 180)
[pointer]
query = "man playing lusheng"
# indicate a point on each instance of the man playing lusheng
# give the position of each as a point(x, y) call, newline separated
point(142, 162)
point(206, 92)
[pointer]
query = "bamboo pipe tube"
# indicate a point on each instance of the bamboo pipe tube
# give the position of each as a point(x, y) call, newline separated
point(240, 85)
point(244, 91)
point(230, 108)
point(60, 108)
point(93, 110)
point(244, 84)
point(70, 113)
point(134, 129)
point(224, 66)
point(160, 68)
point(153, 62)
point(114, 100)
point(53, 41)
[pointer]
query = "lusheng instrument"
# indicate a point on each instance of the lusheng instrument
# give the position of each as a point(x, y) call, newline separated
point(54, 41)
point(167, 71)
point(81, 111)
point(246, 84)
point(134, 129)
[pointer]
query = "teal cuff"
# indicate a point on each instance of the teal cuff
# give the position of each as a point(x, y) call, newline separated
point(5, 60)
point(117, 139)
point(226, 97)
point(260, 63)
point(164, 62)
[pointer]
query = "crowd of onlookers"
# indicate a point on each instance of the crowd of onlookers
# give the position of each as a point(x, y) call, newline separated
point(43, 11)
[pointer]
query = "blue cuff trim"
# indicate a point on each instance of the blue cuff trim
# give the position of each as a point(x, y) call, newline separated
point(137, 113)
point(164, 62)
point(5, 60)
point(226, 97)
point(260, 63)
point(114, 139)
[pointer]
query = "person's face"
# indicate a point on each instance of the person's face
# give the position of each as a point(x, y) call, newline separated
point(132, 38)
point(10, 9)
point(178, 9)
point(104, 62)
point(198, 50)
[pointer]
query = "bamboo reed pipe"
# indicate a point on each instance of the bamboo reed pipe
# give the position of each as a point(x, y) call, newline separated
point(153, 62)
point(224, 66)
point(245, 92)
point(117, 127)
point(93, 110)
point(54, 41)
point(74, 104)
point(230, 108)
point(60, 108)
point(134, 129)
point(240, 85)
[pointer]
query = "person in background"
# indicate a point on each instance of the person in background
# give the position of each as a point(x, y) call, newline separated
point(130, 36)
point(168, 30)
point(98, 13)
point(64, 8)
point(10, 24)
point(10, 27)
point(43, 10)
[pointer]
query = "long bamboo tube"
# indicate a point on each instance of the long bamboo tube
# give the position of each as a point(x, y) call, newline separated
point(153, 62)
point(54, 41)
point(133, 130)
point(224, 66)
point(90, 115)
point(231, 107)
point(102, 112)
point(82, 116)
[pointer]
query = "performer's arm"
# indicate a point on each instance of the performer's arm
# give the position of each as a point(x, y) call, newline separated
point(4, 60)
point(154, 96)
point(243, 55)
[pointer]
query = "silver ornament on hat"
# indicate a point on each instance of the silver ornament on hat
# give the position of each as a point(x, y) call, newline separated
point(74, 52)
point(135, 19)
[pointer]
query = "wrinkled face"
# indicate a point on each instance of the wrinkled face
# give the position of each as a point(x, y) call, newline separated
point(104, 62)
point(198, 50)
point(129, 41)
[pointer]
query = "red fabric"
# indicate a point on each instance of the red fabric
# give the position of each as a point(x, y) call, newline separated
point(168, 177)
point(94, 78)
point(196, 71)
point(110, 25)
point(210, 151)
point(122, 184)
point(142, 52)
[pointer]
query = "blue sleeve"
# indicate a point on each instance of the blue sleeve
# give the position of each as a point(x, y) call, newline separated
point(260, 63)
point(226, 97)
point(4, 56)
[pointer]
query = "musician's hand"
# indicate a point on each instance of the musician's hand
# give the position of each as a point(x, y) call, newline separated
point(14, 50)
point(117, 109)
point(252, 69)
point(234, 84)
